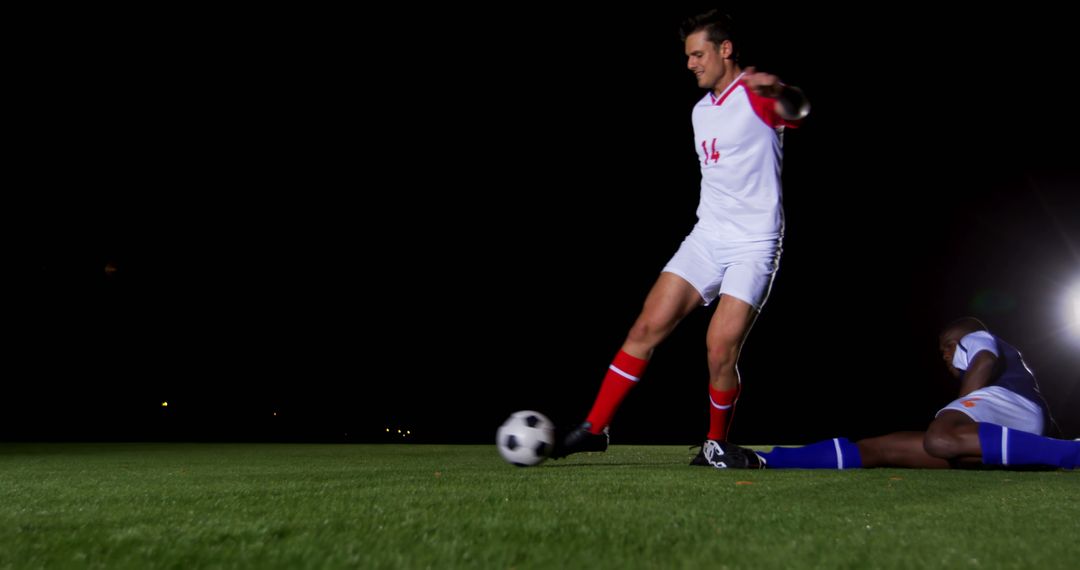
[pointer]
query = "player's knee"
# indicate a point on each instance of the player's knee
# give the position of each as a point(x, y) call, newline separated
point(942, 444)
point(647, 331)
point(723, 356)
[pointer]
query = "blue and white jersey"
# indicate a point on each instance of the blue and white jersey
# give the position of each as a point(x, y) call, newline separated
point(1010, 371)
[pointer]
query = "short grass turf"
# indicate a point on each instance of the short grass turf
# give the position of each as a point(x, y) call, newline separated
point(423, 506)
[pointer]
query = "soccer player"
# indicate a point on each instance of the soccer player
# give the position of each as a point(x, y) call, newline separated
point(998, 420)
point(733, 251)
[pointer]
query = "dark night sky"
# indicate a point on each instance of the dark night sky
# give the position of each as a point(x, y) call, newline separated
point(432, 221)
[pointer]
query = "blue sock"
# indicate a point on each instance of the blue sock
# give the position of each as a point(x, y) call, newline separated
point(836, 453)
point(1004, 446)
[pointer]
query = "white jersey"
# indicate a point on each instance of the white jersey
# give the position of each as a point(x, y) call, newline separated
point(739, 145)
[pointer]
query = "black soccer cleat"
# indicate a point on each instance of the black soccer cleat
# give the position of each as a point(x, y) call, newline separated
point(699, 459)
point(579, 440)
point(724, 455)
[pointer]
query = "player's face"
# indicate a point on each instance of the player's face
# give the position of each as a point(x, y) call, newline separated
point(705, 59)
point(947, 344)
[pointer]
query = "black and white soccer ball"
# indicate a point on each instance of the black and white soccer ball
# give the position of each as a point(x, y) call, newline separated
point(525, 438)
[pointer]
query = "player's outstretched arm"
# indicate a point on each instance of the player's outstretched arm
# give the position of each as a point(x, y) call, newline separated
point(791, 103)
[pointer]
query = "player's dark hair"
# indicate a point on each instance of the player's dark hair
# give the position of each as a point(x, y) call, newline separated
point(718, 27)
point(965, 325)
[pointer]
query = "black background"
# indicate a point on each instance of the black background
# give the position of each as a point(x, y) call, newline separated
point(427, 220)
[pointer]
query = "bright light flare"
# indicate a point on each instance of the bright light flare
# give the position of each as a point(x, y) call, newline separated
point(1072, 308)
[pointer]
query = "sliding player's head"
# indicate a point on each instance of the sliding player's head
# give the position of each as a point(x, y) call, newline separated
point(710, 47)
point(950, 337)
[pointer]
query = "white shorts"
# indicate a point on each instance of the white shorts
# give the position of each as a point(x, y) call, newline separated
point(997, 405)
point(743, 270)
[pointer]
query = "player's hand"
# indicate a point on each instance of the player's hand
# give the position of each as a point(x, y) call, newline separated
point(764, 84)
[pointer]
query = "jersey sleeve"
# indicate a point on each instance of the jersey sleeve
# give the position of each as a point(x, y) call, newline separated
point(970, 345)
point(765, 109)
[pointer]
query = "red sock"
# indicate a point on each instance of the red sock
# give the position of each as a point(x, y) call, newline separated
point(721, 411)
point(623, 374)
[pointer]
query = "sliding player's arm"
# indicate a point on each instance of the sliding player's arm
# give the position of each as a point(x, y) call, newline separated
point(979, 372)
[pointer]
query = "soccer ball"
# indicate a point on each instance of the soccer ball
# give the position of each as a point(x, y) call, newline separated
point(525, 438)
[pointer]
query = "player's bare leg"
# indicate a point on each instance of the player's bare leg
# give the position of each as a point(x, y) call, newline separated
point(948, 444)
point(954, 437)
point(728, 330)
point(966, 443)
point(727, 333)
point(900, 449)
point(670, 299)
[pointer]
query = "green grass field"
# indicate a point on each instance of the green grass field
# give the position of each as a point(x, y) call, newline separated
point(414, 506)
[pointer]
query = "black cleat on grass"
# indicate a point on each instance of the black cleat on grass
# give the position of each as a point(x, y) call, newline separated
point(724, 455)
point(699, 459)
point(579, 440)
